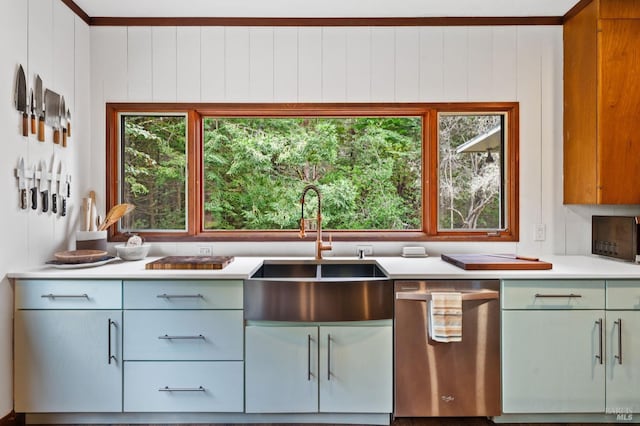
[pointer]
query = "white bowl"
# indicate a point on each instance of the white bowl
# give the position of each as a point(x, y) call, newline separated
point(132, 252)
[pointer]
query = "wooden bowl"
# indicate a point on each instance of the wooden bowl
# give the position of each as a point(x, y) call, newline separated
point(80, 256)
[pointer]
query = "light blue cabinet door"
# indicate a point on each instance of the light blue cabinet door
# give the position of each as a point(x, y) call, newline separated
point(549, 362)
point(281, 365)
point(623, 362)
point(63, 363)
point(356, 365)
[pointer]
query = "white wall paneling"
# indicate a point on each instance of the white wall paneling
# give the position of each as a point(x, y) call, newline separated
point(366, 64)
point(480, 64)
point(14, 19)
point(529, 77)
point(188, 64)
point(108, 84)
point(139, 63)
point(212, 56)
point(456, 63)
point(309, 64)
point(42, 35)
point(407, 64)
point(285, 64)
point(552, 152)
point(334, 64)
point(431, 64)
point(382, 64)
point(236, 61)
point(358, 64)
point(261, 63)
point(505, 59)
point(164, 60)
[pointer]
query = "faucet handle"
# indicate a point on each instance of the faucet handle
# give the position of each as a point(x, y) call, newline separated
point(302, 228)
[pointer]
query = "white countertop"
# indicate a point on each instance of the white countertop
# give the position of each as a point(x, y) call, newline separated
point(564, 267)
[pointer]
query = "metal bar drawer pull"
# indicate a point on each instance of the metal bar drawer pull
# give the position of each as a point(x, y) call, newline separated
point(180, 296)
point(66, 296)
point(558, 295)
point(466, 295)
point(167, 337)
point(168, 389)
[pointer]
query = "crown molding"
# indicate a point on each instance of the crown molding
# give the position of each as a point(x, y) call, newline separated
point(317, 22)
point(327, 22)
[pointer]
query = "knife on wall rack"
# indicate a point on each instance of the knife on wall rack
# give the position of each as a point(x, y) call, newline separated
point(40, 108)
point(20, 99)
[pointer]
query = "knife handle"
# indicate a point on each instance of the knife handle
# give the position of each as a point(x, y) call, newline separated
point(25, 124)
point(23, 199)
point(34, 198)
point(54, 203)
point(63, 207)
point(64, 137)
point(56, 136)
point(33, 124)
point(45, 201)
point(41, 129)
point(68, 128)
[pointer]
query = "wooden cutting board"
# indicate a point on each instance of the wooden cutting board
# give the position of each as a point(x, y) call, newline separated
point(190, 262)
point(479, 262)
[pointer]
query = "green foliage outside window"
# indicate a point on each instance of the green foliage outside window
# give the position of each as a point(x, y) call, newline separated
point(367, 168)
point(154, 171)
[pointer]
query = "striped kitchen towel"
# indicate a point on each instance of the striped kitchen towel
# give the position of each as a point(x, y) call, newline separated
point(445, 317)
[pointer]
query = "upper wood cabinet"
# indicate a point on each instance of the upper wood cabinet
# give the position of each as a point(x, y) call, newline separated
point(602, 104)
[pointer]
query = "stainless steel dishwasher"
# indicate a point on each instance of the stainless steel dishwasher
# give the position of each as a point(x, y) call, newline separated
point(447, 379)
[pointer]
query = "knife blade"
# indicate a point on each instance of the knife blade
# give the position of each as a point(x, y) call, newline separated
point(34, 189)
point(22, 183)
point(53, 177)
point(39, 108)
point(44, 186)
point(68, 123)
point(513, 256)
point(32, 107)
point(68, 184)
point(63, 197)
point(51, 110)
point(20, 99)
point(62, 121)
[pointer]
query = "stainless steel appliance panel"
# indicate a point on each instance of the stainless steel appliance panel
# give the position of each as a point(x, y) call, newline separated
point(447, 379)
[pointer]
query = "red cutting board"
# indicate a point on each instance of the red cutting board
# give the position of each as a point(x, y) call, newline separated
point(480, 262)
point(190, 262)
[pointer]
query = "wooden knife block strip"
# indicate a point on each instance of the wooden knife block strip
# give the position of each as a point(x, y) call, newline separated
point(190, 262)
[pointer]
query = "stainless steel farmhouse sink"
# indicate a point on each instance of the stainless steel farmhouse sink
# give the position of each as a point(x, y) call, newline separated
point(318, 290)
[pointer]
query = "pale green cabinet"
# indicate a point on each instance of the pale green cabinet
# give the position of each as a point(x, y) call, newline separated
point(571, 346)
point(549, 361)
point(623, 347)
point(68, 352)
point(310, 369)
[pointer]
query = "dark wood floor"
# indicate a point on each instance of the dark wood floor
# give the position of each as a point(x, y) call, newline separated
point(18, 420)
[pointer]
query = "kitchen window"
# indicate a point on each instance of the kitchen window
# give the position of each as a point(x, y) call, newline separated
point(386, 171)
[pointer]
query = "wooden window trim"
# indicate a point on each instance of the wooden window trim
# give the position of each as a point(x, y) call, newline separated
point(429, 232)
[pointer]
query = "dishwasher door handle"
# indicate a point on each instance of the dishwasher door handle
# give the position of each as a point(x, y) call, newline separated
point(466, 295)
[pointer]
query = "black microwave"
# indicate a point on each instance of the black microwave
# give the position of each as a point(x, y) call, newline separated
point(616, 236)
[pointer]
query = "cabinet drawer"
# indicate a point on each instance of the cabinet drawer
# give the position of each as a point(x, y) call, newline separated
point(623, 294)
point(186, 294)
point(183, 386)
point(68, 294)
point(183, 335)
point(553, 294)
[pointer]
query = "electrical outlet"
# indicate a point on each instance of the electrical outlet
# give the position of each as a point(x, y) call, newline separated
point(205, 250)
point(539, 232)
point(367, 250)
